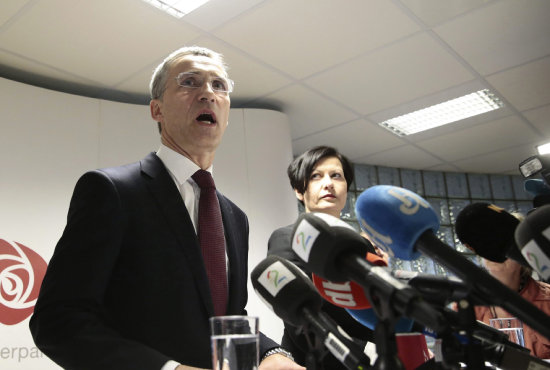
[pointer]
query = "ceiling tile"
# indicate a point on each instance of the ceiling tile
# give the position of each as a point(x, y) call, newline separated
point(502, 35)
point(355, 139)
point(9, 8)
point(307, 36)
point(525, 87)
point(540, 118)
point(216, 12)
point(80, 30)
point(390, 76)
point(505, 161)
point(35, 68)
point(309, 112)
point(444, 167)
point(433, 12)
point(252, 79)
point(484, 138)
point(407, 156)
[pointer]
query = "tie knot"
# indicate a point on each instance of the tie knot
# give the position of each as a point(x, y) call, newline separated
point(204, 179)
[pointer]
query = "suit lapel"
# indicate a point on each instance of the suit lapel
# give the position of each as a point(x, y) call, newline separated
point(169, 200)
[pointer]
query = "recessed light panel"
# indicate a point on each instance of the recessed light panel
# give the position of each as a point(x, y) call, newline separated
point(177, 8)
point(466, 106)
point(544, 149)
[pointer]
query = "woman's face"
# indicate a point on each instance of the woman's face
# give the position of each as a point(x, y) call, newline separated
point(327, 189)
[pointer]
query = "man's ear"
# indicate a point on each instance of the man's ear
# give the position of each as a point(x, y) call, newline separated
point(156, 110)
point(299, 195)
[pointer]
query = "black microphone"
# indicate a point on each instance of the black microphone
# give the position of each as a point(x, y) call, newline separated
point(489, 231)
point(288, 292)
point(402, 222)
point(533, 237)
point(335, 251)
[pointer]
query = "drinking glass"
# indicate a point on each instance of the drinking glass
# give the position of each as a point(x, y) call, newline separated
point(235, 342)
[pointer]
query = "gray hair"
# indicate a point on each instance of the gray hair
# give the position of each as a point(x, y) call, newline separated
point(160, 75)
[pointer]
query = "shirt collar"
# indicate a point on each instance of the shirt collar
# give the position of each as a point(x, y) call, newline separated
point(181, 167)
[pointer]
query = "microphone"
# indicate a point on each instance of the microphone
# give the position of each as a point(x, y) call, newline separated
point(489, 231)
point(346, 294)
point(404, 223)
point(442, 290)
point(334, 251)
point(533, 237)
point(288, 292)
point(536, 187)
point(540, 191)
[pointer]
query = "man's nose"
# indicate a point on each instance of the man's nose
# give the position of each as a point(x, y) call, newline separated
point(206, 92)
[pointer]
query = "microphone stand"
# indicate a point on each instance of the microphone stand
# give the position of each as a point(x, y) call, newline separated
point(316, 350)
point(492, 289)
point(473, 356)
point(384, 334)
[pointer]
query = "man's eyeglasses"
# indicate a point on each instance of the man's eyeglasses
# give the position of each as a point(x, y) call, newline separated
point(191, 80)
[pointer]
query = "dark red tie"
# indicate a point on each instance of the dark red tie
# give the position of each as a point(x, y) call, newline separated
point(212, 240)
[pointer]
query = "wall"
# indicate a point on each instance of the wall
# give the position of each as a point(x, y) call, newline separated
point(48, 139)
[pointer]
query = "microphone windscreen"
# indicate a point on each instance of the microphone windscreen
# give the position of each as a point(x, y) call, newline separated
point(346, 294)
point(536, 187)
point(394, 218)
point(487, 229)
point(541, 200)
point(285, 289)
point(319, 239)
point(533, 237)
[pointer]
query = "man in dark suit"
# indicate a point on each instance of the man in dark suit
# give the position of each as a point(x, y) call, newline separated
point(127, 286)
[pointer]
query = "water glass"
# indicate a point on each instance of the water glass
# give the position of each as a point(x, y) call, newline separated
point(235, 342)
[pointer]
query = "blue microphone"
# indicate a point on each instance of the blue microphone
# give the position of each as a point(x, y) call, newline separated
point(380, 206)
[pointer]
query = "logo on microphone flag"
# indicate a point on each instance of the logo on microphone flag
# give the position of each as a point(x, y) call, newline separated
point(275, 277)
point(410, 202)
point(536, 257)
point(304, 237)
point(21, 274)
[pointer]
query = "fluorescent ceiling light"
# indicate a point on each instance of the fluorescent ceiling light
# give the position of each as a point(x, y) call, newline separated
point(466, 106)
point(544, 149)
point(177, 8)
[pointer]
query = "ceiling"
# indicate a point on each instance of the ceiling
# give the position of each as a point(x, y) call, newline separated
point(335, 67)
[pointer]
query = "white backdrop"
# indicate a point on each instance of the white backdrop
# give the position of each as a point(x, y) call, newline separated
point(48, 139)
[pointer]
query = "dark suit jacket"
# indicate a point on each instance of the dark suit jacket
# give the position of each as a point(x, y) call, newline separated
point(126, 287)
point(280, 245)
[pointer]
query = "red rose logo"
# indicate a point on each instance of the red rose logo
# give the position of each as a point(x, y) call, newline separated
point(21, 274)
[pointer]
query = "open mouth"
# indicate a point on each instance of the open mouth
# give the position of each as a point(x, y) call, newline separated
point(206, 118)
